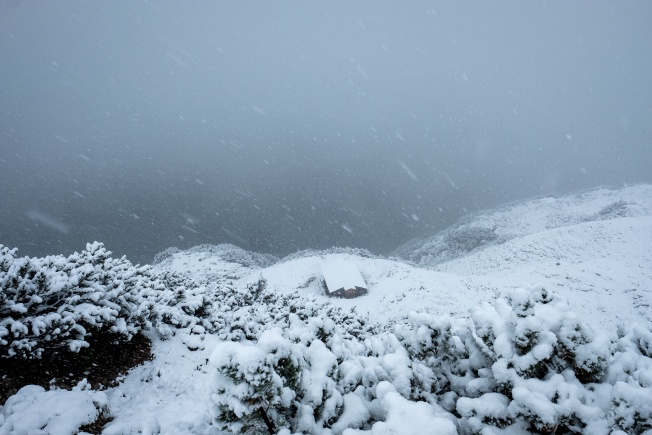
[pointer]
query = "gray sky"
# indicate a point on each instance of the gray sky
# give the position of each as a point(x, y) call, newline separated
point(280, 126)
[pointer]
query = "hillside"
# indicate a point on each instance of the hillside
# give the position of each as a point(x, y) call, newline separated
point(594, 248)
point(592, 251)
point(479, 230)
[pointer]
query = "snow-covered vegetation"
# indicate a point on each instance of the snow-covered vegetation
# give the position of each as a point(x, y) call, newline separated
point(55, 303)
point(526, 362)
point(33, 410)
point(245, 343)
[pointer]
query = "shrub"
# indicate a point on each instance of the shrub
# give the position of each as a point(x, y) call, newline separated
point(525, 362)
point(255, 385)
point(54, 304)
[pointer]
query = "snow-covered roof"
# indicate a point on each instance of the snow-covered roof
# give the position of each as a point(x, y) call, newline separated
point(341, 274)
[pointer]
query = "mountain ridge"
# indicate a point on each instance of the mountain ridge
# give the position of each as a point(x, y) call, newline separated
point(484, 228)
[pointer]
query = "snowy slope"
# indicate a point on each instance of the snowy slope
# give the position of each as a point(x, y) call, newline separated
point(211, 262)
point(593, 249)
point(168, 395)
point(486, 228)
point(395, 288)
point(603, 268)
point(596, 254)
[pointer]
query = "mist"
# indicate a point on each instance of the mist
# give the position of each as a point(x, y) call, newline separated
point(280, 126)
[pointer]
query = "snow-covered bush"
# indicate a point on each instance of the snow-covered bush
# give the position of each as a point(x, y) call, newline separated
point(247, 313)
point(465, 237)
point(288, 366)
point(225, 251)
point(174, 303)
point(255, 385)
point(546, 371)
point(313, 369)
point(56, 303)
point(525, 362)
point(32, 410)
point(629, 382)
point(613, 210)
point(165, 254)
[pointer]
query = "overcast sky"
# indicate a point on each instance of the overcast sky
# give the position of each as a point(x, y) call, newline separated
point(285, 125)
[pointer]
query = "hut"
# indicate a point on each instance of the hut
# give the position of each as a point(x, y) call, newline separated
point(342, 279)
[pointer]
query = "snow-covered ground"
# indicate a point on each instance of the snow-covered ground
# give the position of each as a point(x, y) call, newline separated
point(485, 228)
point(594, 249)
point(596, 254)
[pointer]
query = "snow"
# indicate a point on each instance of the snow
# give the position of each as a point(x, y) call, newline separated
point(405, 417)
point(594, 250)
point(169, 392)
point(321, 362)
point(355, 413)
point(492, 405)
point(530, 217)
point(34, 411)
point(604, 270)
point(341, 274)
point(395, 288)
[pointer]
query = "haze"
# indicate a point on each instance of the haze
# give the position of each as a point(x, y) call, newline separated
point(279, 126)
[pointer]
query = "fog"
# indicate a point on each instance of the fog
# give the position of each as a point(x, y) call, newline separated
point(279, 126)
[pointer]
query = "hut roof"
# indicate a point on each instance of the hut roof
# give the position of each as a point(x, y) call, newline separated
point(340, 274)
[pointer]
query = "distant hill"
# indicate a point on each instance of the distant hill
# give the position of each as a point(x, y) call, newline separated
point(478, 231)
